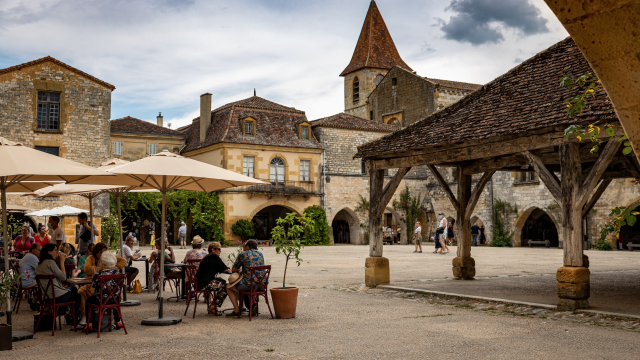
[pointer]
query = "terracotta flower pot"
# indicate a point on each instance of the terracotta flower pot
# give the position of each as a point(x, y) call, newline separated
point(284, 302)
point(6, 337)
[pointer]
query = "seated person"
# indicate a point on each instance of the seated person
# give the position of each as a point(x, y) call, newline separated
point(66, 249)
point(129, 256)
point(246, 259)
point(48, 266)
point(169, 272)
point(23, 241)
point(108, 266)
point(83, 259)
point(28, 266)
point(206, 277)
point(196, 253)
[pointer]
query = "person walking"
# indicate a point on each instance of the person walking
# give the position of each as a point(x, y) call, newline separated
point(442, 227)
point(152, 241)
point(417, 237)
point(475, 231)
point(182, 234)
point(451, 234)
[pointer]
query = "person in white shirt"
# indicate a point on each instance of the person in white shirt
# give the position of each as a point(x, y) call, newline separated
point(57, 235)
point(417, 237)
point(128, 255)
point(182, 234)
point(441, 234)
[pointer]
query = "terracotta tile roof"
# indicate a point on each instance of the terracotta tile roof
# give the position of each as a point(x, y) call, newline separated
point(60, 63)
point(375, 47)
point(455, 84)
point(346, 121)
point(275, 125)
point(129, 124)
point(527, 97)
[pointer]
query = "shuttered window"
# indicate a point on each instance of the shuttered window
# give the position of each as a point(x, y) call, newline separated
point(304, 170)
point(248, 166)
point(117, 148)
point(152, 148)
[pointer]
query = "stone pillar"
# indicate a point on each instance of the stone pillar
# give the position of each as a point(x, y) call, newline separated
point(464, 266)
point(376, 266)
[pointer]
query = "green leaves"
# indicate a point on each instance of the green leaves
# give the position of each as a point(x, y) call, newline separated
point(621, 216)
point(243, 228)
point(287, 237)
point(627, 150)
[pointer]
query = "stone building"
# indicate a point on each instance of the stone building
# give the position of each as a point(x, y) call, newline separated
point(133, 139)
point(265, 140)
point(53, 107)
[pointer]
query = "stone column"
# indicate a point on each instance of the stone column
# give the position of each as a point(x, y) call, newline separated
point(464, 266)
point(376, 269)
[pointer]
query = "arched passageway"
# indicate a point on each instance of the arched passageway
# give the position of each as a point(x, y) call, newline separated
point(346, 227)
point(539, 227)
point(482, 236)
point(265, 220)
point(392, 218)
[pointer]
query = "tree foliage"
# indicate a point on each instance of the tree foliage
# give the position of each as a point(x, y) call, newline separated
point(319, 233)
point(501, 236)
point(409, 208)
point(243, 228)
point(363, 209)
point(287, 236)
point(621, 216)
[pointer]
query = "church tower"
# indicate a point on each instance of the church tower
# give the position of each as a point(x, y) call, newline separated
point(375, 54)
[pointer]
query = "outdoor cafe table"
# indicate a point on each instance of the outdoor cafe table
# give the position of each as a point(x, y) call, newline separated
point(146, 270)
point(182, 282)
point(79, 281)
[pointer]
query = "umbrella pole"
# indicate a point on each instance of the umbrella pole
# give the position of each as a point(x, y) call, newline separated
point(124, 301)
point(91, 214)
point(6, 246)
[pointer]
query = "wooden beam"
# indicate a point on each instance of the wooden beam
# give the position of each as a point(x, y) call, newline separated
point(612, 175)
point(631, 166)
point(548, 178)
point(445, 187)
point(595, 197)
point(376, 178)
point(477, 192)
point(571, 215)
point(390, 189)
point(481, 166)
point(606, 155)
point(463, 228)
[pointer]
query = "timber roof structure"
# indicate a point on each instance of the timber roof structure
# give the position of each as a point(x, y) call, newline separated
point(60, 63)
point(346, 121)
point(276, 125)
point(130, 124)
point(375, 47)
point(526, 99)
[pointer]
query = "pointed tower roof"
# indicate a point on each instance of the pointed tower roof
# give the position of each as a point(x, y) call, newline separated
point(375, 47)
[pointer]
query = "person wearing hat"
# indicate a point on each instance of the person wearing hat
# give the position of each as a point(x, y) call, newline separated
point(182, 235)
point(129, 256)
point(239, 281)
point(196, 253)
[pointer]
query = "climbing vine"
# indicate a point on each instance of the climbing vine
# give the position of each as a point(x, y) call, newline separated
point(409, 208)
point(362, 208)
point(502, 210)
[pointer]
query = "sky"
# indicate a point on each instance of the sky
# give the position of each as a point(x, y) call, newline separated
point(161, 55)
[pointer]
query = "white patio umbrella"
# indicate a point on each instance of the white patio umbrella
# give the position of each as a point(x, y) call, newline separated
point(23, 169)
point(166, 172)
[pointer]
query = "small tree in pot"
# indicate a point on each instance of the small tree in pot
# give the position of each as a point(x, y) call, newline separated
point(7, 284)
point(287, 238)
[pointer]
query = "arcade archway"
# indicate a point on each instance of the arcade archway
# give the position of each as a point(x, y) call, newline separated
point(539, 227)
point(265, 220)
point(346, 227)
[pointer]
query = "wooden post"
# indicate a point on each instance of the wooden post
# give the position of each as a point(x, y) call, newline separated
point(375, 218)
point(464, 266)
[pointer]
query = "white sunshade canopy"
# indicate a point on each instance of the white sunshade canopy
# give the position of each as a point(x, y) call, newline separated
point(58, 211)
point(71, 189)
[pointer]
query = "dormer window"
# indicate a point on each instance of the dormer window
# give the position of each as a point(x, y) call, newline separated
point(248, 127)
point(304, 132)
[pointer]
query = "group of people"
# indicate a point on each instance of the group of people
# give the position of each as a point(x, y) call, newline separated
point(389, 233)
point(445, 235)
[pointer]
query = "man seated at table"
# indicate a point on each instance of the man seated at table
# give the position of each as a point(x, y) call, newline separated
point(207, 279)
point(246, 259)
point(129, 256)
point(28, 266)
point(196, 253)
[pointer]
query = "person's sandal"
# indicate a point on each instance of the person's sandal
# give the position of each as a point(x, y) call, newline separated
point(254, 311)
point(232, 314)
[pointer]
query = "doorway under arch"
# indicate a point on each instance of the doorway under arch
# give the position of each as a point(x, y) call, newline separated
point(346, 227)
point(539, 227)
point(265, 220)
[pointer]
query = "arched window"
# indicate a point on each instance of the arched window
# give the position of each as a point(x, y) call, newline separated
point(277, 171)
point(379, 78)
point(356, 90)
point(393, 121)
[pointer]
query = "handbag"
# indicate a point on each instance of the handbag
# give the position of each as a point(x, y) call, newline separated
point(137, 287)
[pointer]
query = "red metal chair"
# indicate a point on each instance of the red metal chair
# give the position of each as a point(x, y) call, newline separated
point(110, 302)
point(68, 269)
point(194, 293)
point(50, 302)
point(259, 288)
point(21, 291)
point(156, 276)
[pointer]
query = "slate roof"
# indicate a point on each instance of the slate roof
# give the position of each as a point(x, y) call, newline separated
point(57, 62)
point(276, 125)
point(346, 121)
point(528, 97)
point(129, 124)
point(455, 84)
point(375, 47)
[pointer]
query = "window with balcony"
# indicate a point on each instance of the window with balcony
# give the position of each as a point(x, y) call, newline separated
point(248, 166)
point(304, 170)
point(276, 170)
point(48, 111)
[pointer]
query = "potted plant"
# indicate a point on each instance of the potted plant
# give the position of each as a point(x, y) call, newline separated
point(287, 238)
point(7, 283)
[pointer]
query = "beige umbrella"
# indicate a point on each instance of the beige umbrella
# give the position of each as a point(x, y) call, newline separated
point(166, 172)
point(21, 170)
point(17, 208)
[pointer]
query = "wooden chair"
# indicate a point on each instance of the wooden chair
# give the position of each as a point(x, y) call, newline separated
point(68, 269)
point(193, 292)
point(156, 276)
point(110, 302)
point(30, 292)
point(50, 302)
point(259, 288)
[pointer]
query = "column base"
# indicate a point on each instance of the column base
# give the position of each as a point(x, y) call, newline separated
point(573, 287)
point(376, 271)
point(464, 268)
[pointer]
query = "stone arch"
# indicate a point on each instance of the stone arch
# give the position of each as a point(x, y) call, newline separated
point(285, 204)
point(355, 230)
point(403, 226)
point(393, 121)
point(522, 217)
point(487, 233)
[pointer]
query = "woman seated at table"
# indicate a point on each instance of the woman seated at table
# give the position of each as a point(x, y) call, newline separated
point(48, 266)
point(169, 272)
point(108, 262)
point(83, 259)
point(23, 241)
point(66, 249)
point(210, 266)
point(42, 237)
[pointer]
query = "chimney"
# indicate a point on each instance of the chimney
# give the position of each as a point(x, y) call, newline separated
point(159, 118)
point(205, 115)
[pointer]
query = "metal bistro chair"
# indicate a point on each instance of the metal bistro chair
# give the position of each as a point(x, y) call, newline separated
point(111, 302)
point(194, 293)
point(21, 291)
point(261, 273)
point(50, 302)
point(156, 276)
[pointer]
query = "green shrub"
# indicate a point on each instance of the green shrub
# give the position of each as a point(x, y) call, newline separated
point(501, 237)
point(318, 234)
point(603, 244)
point(243, 228)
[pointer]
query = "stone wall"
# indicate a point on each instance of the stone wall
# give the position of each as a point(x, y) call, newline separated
point(136, 146)
point(366, 79)
point(445, 96)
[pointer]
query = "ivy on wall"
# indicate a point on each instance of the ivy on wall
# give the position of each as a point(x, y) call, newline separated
point(501, 236)
point(409, 208)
